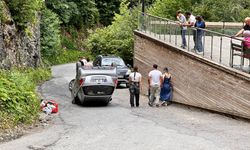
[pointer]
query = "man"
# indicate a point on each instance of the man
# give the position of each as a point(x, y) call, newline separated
point(88, 65)
point(154, 80)
point(135, 85)
point(191, 23)
point(182, 22)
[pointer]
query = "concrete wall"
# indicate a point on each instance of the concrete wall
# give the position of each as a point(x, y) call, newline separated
point(197, 81)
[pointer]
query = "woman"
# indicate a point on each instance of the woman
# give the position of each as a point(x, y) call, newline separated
point(200, 23)
point(166, 89)
point(135, 85)
point(245, 31)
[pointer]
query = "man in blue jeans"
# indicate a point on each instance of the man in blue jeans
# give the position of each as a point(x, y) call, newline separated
point(154, 83)
point(182, 22)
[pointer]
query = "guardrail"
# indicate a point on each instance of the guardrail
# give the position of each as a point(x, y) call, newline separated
point(218, 47)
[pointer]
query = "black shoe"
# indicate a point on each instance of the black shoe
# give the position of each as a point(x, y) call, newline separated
point(150, 104)
point(137, 105)
point(132, 106)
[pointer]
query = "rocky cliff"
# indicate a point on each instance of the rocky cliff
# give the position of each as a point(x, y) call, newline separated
point(17, 48)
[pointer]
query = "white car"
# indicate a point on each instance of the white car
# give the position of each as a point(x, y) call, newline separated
point(93, 84)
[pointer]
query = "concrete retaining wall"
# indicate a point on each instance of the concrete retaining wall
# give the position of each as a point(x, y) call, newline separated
point(197, 81)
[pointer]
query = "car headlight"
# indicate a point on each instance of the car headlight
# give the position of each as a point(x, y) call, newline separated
point(128, 72)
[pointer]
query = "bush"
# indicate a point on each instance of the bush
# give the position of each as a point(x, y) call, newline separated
point(116, 39)
point(18, 100)
point(67, 56)
point(24, 12)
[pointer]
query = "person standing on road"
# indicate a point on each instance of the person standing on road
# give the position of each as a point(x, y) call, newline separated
point(182, 22)
point(134, 88)
point(191, 23)
point(154, 80)
point(166, 88)
point(200, 23)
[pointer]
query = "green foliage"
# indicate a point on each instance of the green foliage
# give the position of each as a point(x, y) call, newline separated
point(223, 10)
point(18, 100)
point(73, 39)
point(116, 39)
point(107, 10)
point(3, 12)
point(24, 12)
point(50, 34)
point(211, 10)
point(67, 56)
point(66, 10)
point(168, 8)
point(79, 13)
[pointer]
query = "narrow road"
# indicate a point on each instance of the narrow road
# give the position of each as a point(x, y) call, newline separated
point(117, 126)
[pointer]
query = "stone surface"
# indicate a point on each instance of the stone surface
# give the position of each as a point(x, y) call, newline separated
point(16, 47)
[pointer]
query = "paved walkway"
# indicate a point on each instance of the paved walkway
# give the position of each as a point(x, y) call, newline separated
point(216, 48)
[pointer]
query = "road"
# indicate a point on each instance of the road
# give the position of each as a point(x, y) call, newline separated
point(117, 126)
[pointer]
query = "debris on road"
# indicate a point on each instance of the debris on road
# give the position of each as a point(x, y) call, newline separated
point(49, 106)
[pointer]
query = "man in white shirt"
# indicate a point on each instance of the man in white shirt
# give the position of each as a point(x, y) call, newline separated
point(190, 23)
point(135, 85)
point(154, 81)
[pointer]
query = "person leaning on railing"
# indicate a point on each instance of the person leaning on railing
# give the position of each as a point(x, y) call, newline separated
point(190, 23)
point(245, 31)
point(182, 22)
point(200, 23)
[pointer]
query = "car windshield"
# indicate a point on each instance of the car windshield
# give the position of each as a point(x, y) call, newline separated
point(115, 61)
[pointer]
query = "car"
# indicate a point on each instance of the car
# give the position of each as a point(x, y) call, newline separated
point(123, 70)
point(93, 84)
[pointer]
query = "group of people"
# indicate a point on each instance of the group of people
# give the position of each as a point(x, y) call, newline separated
point(197, 24)
point(159, 87)
point(84, 63)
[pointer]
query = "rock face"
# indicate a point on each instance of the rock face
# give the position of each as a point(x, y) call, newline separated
point(18, 48)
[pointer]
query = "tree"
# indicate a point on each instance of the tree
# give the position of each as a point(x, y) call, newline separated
point(79, 13)
point(107, 10)
point(116, 39)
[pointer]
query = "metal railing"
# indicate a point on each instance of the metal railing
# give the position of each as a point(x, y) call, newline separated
point(216, 46)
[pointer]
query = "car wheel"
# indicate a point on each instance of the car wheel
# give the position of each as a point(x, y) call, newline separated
point(76, 100)
point(106, 102)
point(71, 84)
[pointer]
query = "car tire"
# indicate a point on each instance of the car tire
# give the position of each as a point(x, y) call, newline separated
point(76, 100)
point(71, 84)
point(106, 103)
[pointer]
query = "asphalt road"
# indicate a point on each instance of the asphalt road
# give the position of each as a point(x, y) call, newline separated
point(119, 127)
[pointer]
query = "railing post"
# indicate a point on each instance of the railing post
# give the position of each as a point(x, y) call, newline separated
point(188, 38)
point(165, 29)
point(231, 54)
point(212, 45)
point(170, 32)
point(242, 58)
point(204, 42)
point(220, 49)
point(175, 41)
point(160, 30)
